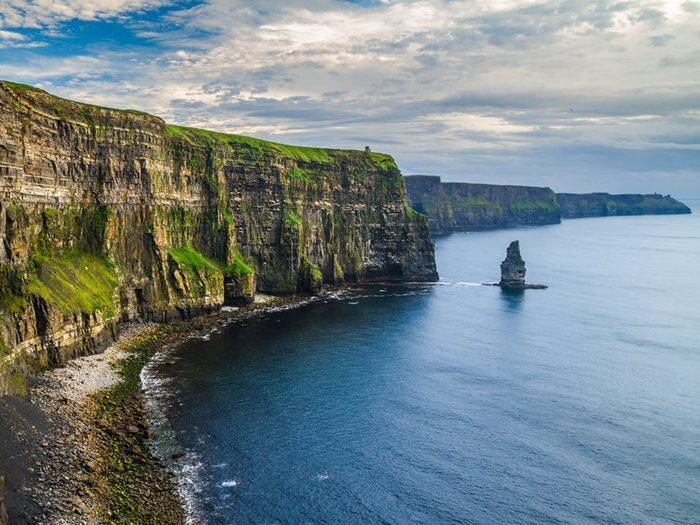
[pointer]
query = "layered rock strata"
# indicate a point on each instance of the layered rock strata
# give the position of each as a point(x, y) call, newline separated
point(110, 215)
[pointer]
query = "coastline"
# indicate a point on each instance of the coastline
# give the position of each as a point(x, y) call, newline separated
point(79, 448)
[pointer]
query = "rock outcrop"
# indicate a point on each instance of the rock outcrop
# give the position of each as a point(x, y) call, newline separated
point(461, 206)
point(513, 271)
point(513, 268)
point(457, 206)
point(109, 215)
point(575, 205)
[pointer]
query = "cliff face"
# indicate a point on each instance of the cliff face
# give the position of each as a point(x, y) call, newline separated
point(603, 204)
point(109, 215)
point(453, 206)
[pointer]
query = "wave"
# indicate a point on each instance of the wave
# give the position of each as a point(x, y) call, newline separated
point(231, 483)
point(159, 394)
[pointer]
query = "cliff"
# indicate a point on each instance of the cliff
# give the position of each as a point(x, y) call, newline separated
point(455, 206)
point(603, 204)
point(452, 206)
point(109, 215)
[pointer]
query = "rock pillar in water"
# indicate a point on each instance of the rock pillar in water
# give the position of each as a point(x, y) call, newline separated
point(513, 271)
point(513, 268)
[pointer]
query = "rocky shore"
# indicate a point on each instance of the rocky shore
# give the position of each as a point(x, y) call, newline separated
point(76, 450)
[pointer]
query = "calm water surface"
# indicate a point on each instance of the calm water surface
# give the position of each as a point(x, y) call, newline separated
point(458, 403)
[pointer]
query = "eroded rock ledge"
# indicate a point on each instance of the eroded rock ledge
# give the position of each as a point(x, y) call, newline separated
point(110, 215)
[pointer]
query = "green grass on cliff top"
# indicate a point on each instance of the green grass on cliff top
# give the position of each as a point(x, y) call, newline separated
point(69, 109)
point(308, 154)
point(21, 87)
point(62, 106)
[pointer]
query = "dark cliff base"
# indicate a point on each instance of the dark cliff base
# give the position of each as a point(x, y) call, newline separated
point(456, 206)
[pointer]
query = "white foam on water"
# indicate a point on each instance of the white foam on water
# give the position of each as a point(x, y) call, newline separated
point(158, 396)
point(231, 483)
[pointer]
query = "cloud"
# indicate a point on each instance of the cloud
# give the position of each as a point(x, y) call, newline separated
point(40, 14)
point(660, 40)
point(453, 85)
point(11, 35)
point(12, 39)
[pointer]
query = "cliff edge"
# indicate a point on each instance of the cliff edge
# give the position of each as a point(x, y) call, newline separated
point(109, 215)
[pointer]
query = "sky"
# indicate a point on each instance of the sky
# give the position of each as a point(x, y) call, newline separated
point(578, 95)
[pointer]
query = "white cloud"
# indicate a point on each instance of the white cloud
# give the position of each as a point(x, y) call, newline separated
point(483, 124)
point(422, 79)
point(46, 13)
point(11, 35)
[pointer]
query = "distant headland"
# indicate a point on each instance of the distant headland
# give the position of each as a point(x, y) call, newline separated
point(455, 206)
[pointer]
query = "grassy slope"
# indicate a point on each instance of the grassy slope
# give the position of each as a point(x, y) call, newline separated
point(199, 137)
point(76, 283)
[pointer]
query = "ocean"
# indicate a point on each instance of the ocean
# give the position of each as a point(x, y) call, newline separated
point(457, 402)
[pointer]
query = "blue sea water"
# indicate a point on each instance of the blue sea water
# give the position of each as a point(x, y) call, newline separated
point(455, 402)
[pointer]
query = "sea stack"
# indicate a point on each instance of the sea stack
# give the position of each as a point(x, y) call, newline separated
point(513, 270)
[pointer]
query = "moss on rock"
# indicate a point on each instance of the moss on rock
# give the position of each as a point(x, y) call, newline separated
point(75, 283)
